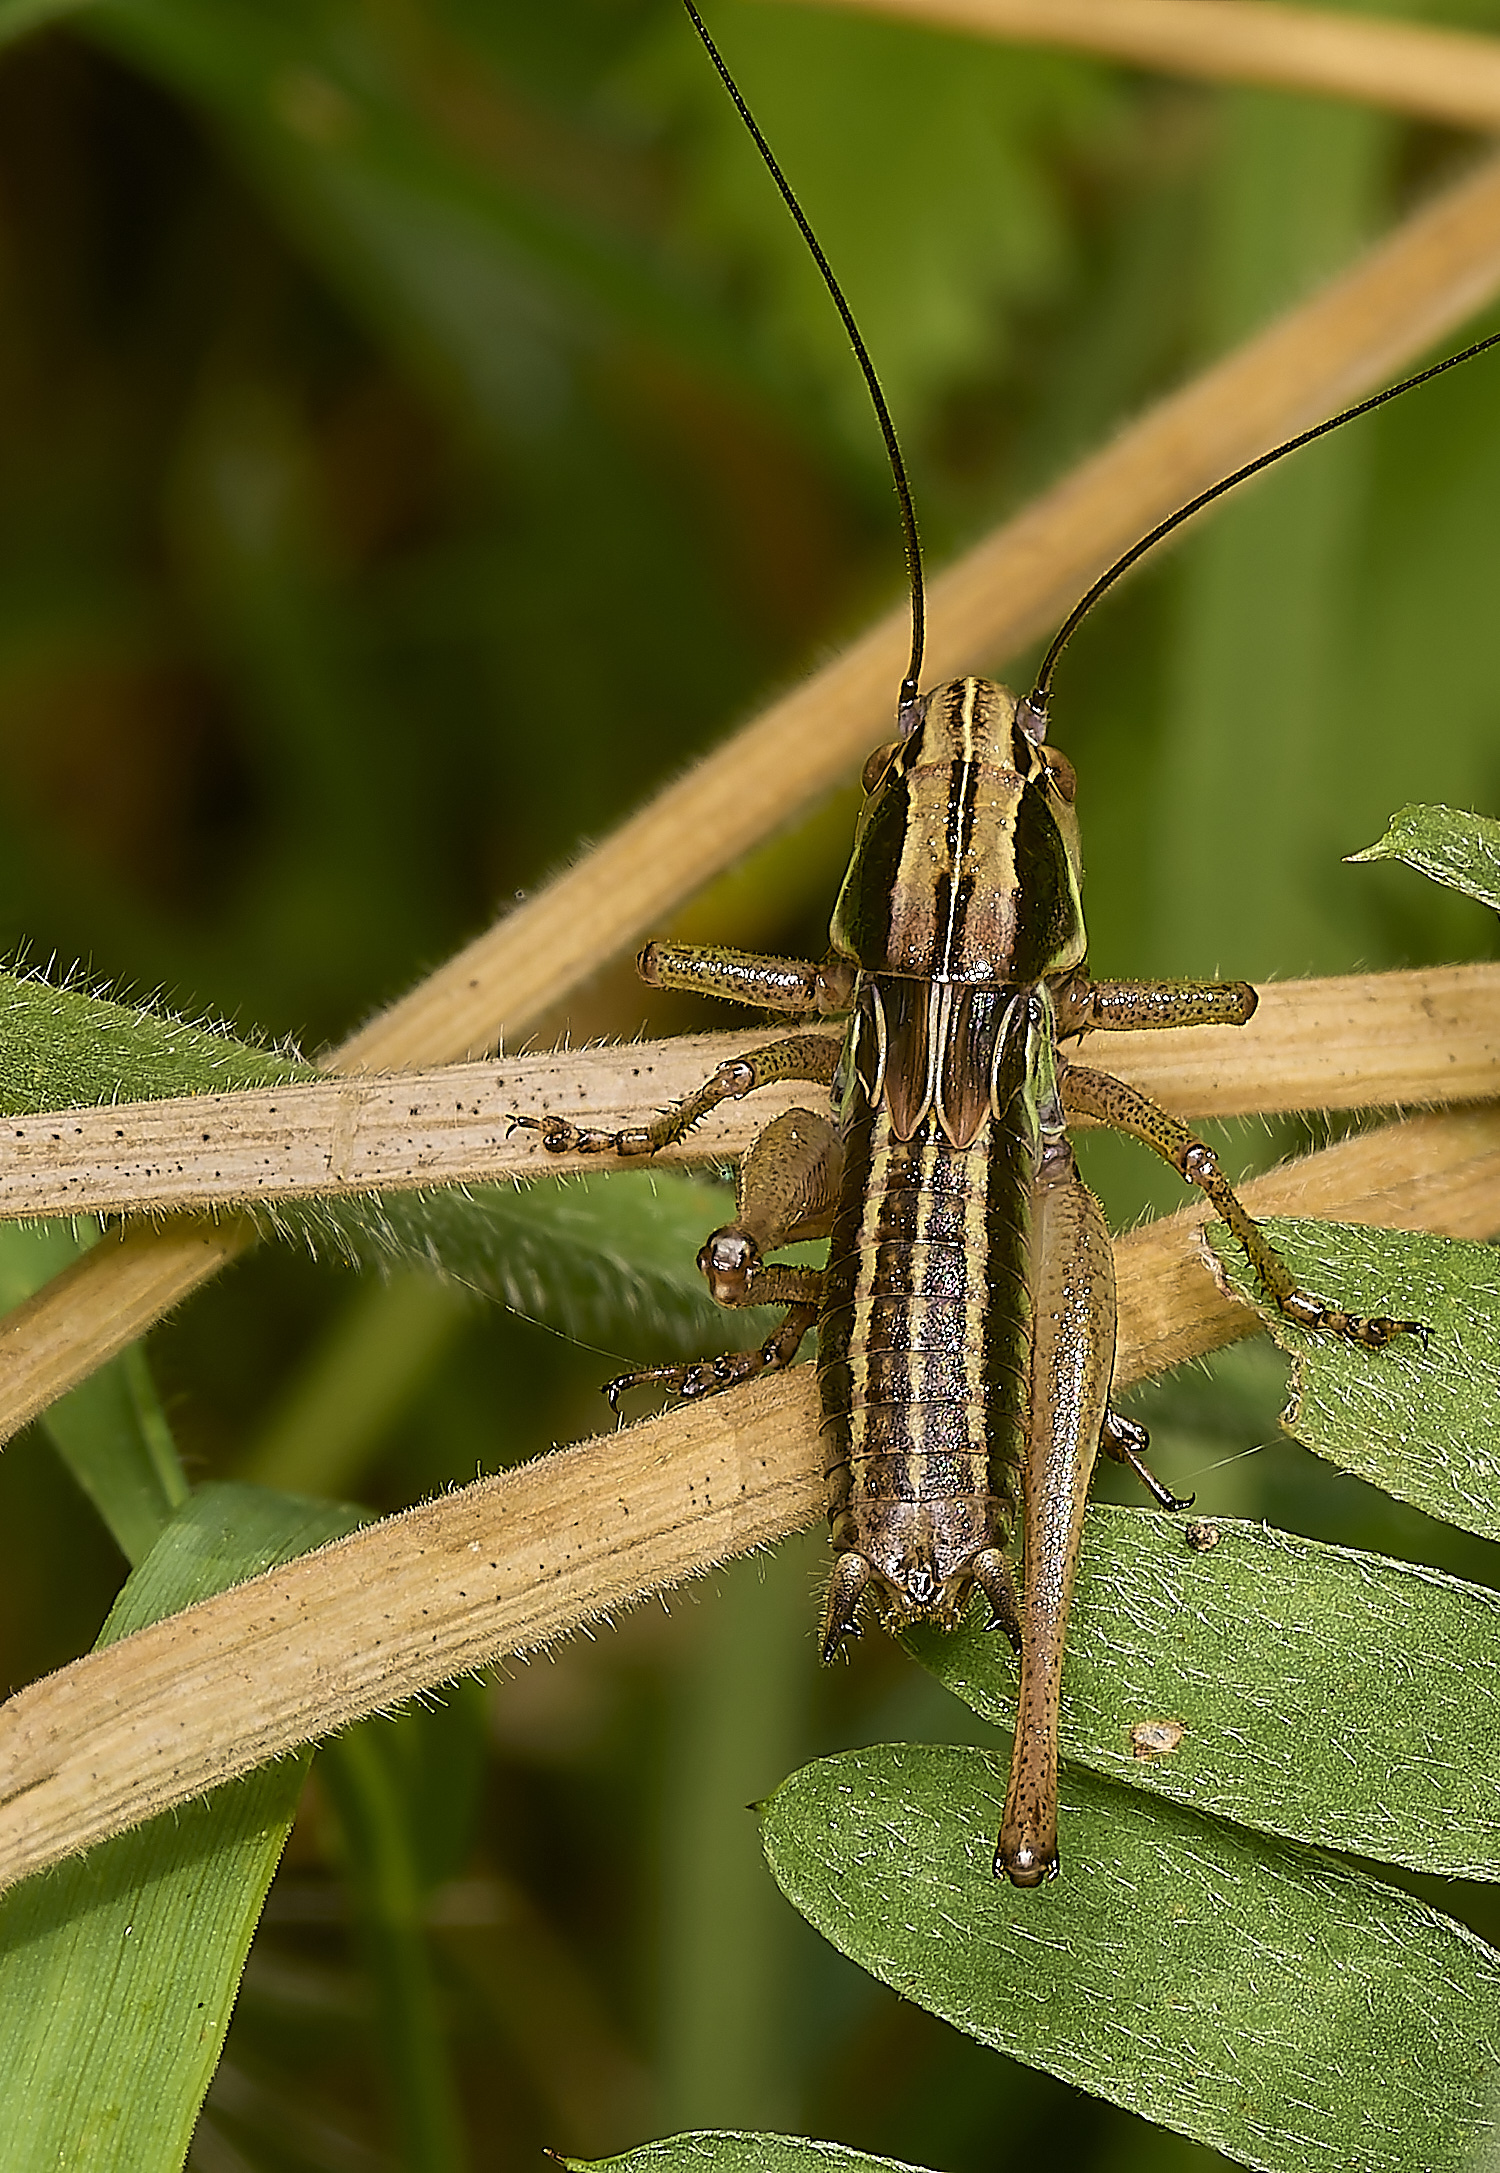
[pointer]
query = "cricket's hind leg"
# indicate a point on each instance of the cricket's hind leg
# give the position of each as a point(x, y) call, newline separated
point(788, 1191)
point(1088, 1093)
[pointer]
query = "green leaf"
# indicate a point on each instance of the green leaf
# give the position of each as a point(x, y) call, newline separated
point(118, 1973)
point(609, 1256)
point(1420, 1423)
point(66, 1048)
point(1303, 1690)
point(607, 1259)
point(224, 1534)
point(726, 2150)
point(113, 1437)
point(30, 1255)
point(109, 1430)
point(1267, 2002)
point(1449, 845)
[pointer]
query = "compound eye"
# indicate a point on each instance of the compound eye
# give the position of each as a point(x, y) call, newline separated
point(1061, 775)
point(876, 767)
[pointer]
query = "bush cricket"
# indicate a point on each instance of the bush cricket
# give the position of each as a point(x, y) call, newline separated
point(966, 1317)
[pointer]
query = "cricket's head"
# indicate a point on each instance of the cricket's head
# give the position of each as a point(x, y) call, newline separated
point(966, 862)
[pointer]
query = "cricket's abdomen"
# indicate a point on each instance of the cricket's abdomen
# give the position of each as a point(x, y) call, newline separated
point(923, 1366)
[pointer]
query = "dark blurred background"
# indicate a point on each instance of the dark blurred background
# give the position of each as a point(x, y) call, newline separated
point(420, 434)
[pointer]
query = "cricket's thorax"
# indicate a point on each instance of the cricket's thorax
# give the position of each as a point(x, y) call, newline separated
point(924, 1336)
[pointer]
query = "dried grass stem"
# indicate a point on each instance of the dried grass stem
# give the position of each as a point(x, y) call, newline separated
point(508, 1564)
point(1450, 76)
point(1395, 1040)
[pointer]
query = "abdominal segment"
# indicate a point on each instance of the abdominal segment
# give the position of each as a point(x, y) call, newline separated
point(923, 1365)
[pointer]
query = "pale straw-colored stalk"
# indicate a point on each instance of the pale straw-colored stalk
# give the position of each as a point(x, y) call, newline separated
point(1451, 76)
point(1386, 1041)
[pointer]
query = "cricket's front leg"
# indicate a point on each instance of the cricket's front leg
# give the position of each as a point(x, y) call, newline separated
point(1088, 1093)
point(1085, 1006)
point(788, 1190)
point(813, 1057)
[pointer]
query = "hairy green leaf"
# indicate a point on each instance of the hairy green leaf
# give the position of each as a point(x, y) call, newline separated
point(609, 1256)
point(1417, 1421)
point(1268, 2002)
point(1448, 844)
point(1300, 1689)
point(724, 2150)
point(118, 1973)
point(63, 1047)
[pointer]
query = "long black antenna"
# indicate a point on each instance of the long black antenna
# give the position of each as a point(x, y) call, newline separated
point(1041, 693)
point(911, 683)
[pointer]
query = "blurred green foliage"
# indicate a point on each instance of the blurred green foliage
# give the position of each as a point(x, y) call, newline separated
point(420, 434)
point(118, 1971)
